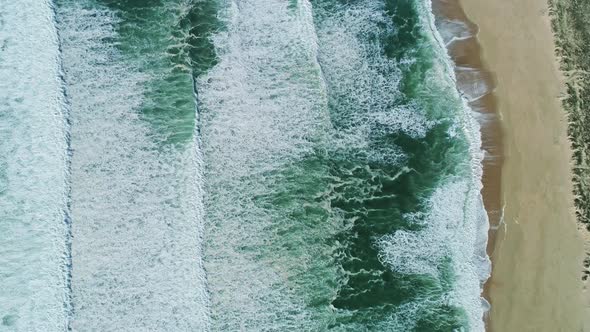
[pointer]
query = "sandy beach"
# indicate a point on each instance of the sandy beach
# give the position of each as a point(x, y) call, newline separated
point(538, 251)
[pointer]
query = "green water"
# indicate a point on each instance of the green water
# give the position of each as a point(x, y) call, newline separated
point(318, 151)
point(136, 203)
point(375, 192)
point(298, 232)
point(169, 41)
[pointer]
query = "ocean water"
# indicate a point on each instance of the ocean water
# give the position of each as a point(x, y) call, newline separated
point(34, 226)
point(342, 172)
point(251, 165)
point(135, 176)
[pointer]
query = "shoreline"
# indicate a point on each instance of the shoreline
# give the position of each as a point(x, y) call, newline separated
point(477, 85)
point(537, 254)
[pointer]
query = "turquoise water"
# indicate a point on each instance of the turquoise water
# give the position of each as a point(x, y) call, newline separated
point(252, 165)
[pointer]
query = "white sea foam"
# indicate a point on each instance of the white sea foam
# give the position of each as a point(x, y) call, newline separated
point(33, 172)
point(136, 203)
point(453, 228)
point(475, 266)
point(366, 83)
point(363, 82)
point(263, 110)
point(457, 212)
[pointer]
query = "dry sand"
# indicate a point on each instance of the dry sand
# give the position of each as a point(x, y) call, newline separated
point(537, 256)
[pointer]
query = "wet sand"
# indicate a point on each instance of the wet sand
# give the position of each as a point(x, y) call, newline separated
point(538, 252)
point(477, 84)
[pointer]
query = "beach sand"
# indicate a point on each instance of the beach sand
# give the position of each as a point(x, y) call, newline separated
point(538, 251)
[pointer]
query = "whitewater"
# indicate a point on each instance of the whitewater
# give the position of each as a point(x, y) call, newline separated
point(236, 165)
point(34, 222)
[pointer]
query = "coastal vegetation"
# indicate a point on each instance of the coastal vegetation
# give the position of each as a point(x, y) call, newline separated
point(570, 21)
